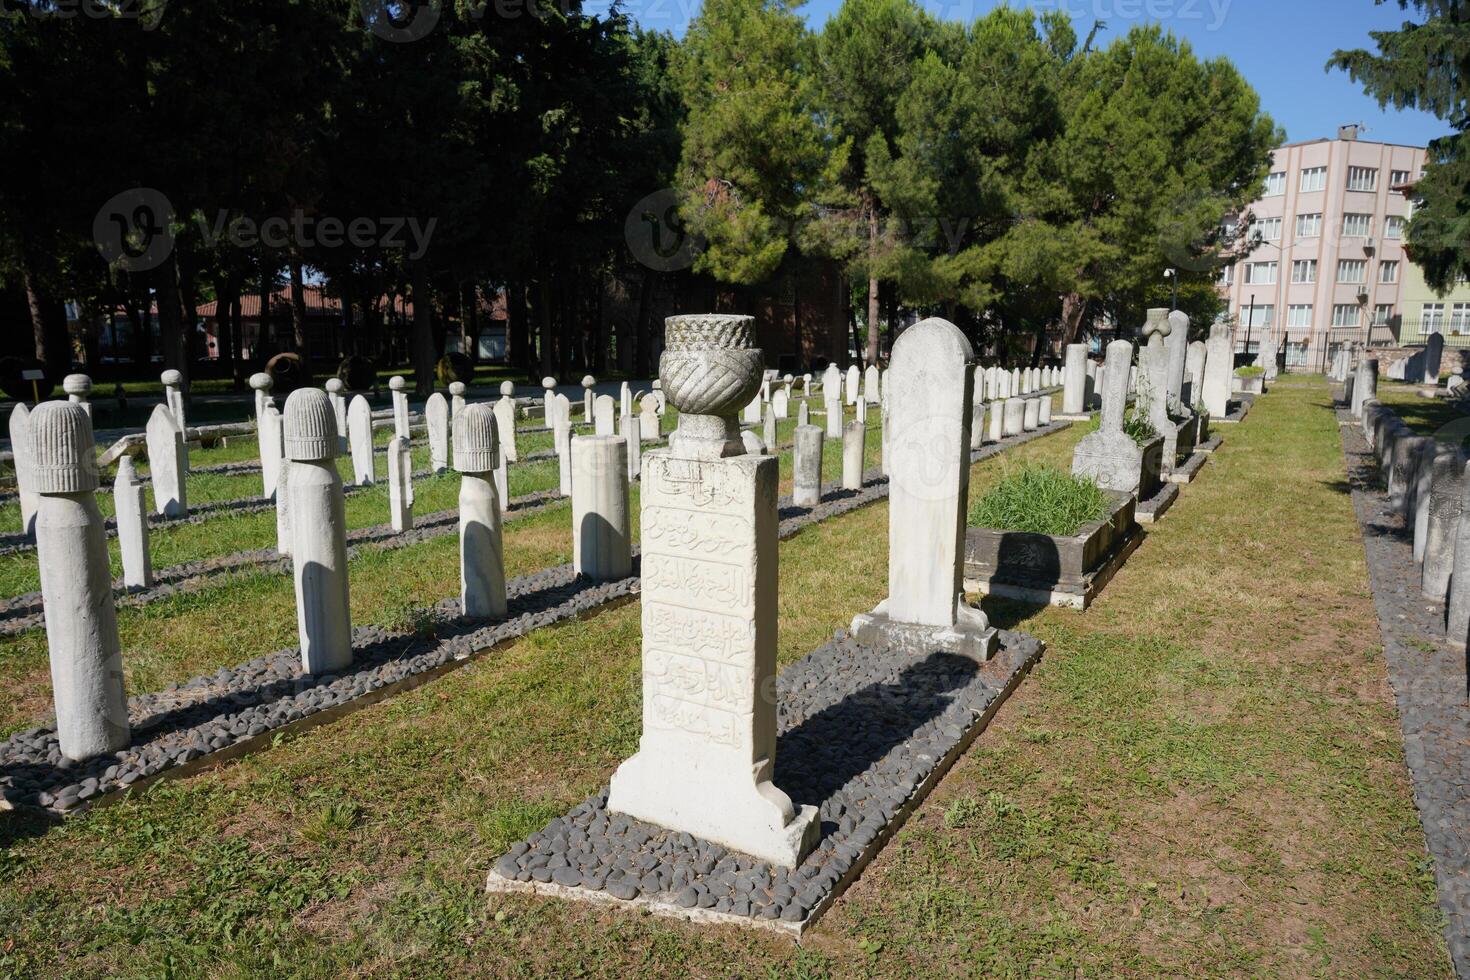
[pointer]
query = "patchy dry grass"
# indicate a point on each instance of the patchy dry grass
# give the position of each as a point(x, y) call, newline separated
point(1204, 775)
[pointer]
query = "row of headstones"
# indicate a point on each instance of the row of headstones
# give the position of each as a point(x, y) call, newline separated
point(1427, 487)
point(1178, 384)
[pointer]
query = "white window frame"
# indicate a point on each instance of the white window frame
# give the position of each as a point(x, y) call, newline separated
point(1358, 220)
point(1460, 318)
point(1275, 184)
point(1299, 315)
point(1271, 269)
point(1309, 225)
point(1363, 179)
point(1382, 314)
point(1268, 228)
point(1298, 266)
point(1352, 272)
point(1393, 226)
point(1431, 318)
point(1388, 271)
point(1313, 179)
point(1340, 319)
point(1397, 178)
point(1258, 317)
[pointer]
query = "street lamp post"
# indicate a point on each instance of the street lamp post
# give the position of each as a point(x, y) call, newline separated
point(1173, 277)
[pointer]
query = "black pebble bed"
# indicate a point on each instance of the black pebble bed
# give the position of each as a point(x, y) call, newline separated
point(235, 704)
point(861, 729)
point(1429, 684)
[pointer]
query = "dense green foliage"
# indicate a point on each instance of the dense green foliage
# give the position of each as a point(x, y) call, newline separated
point(1427, 66)
point(1040, 500)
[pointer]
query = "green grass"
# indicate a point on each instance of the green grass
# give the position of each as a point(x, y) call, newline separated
point(1204, 776)
point(1039, 500)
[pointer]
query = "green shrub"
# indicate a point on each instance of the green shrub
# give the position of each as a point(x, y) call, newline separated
point(1250, 371)
point(1040, 500)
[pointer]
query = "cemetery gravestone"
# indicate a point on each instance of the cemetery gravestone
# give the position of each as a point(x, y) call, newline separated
point(167, 463)
point(481, 544)
point(436, 416)
point(130, 503)
point(360, 440)
point(318, 533)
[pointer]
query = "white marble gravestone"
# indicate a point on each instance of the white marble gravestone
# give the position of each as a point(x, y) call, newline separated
point(854, 381)
point(400, 485)
point(481, 545)
point(709, 597)
point(22, 453)
point(130, 504)
point(360, 440)
point(313, 492)
point(334, 389)
point(270, 436)
point(928, 497)
point(436, 417)
point(1109, 456)
point(1219, 369)
point(167, 463)
point(398, 385)
point(601, 529)
point(505, 424)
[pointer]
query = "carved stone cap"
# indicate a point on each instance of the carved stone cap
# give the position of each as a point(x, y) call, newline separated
point(475, 440)
point(397, 382)
point(311, 426)
point(335, 386)
point(65, 459)
point(588, 381)
point(77, 384)
point(548, 383)
point(709, 331)
point(172, 378)
point(261, 381)
point(1157, 322)
point(457, 388)
point(508, 389)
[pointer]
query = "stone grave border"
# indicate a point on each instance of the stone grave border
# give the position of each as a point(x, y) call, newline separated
point(842, 854)
point(1428, 682)
point(183, 756)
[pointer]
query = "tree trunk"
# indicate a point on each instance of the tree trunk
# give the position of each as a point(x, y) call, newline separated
point(1074, 308)
point(642, 337)
point(870, 356)
point(170, 321)
point(300, 332)
point(518, 329)
point(51, 346)
point(423, 332)
point(262, 336)
point(546, 327)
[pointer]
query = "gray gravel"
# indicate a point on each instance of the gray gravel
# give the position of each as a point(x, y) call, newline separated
point(1429, 684)
point(861, 728)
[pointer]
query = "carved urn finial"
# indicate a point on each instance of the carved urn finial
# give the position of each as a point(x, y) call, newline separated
point(710, 368)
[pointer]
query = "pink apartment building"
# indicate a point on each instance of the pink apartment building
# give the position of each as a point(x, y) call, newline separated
point(1330, 267)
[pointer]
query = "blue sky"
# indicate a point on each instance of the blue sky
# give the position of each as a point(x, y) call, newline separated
point(1280, 46)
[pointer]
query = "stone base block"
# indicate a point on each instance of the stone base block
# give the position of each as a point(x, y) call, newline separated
point(866, 733)
point(1187, 471)
point(1211, 445)
point(1150, 510)
point(968, 639)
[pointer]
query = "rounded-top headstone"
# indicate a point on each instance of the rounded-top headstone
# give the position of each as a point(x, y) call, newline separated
point(311, 426)
point(397, 382)
point(335, 386)
point(64, 456)
point(77, 384)
point(588, 381)
point(475, 439)
point(548, 383)
point(172, 377)
point(507, 388)
point(262, 381)
point(457, 388)
point(658, 384)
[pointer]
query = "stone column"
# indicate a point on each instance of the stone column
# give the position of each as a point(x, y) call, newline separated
point(928, 497)
point(335, 387)
point(1031, 414)
point(601, 536)
point(1074, 380)
point(481, 546)
point(854, 378)
point(505, 422)
point(832, 401)
point(400, 479)
point(1446, 490)
point(589, 398)
point(1044, 418)
point(648, 424)
point(318, 533)
point(1433, 358)
point(1423, 480)
point(854, 447)
point(1365, 387)
point(76, 585)
point(261, 383)
point(360, 441)
point(1194, 375)
point(283, 503)
point(173, 395)
point(270, 436)
point(806, 466)
point(436, 417)
point(562, 438)
point(1177, 344)
point(130, 504)
point(548, 385)
point(709, 593)
point(167, 463)
point(402, 427)
point(456, 408)
point(1219, 369)
point(78, 388)
point(22, 456)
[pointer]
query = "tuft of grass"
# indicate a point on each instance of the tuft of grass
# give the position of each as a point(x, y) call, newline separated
point(1040, 500)
point(1250, 371)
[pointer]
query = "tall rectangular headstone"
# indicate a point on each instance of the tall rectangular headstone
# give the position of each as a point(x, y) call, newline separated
point(436, 417)
point(929, 484)
point(1074, 380)
point(1219, 369)
point(360, 440)
point(1110, 457)
point(167, 463)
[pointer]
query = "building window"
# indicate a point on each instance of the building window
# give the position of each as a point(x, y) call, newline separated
point(1393, 227)
point(1299, 315)
point(1398, 178)
point(1258, 316)
point(1431, 318)
point(1357, 225)
point(1275, 185)
point(1460, 318)
point(1352, 271)
point(1346, 315)
point(1227, 275)
point(1362, 179)
point(1269, 229)
point(1308, 225)
point(1304, 270)
point(1382, 313)
point(1260, 273)
point(1388, 272)
point(1296, 353)
point(1314, 179)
